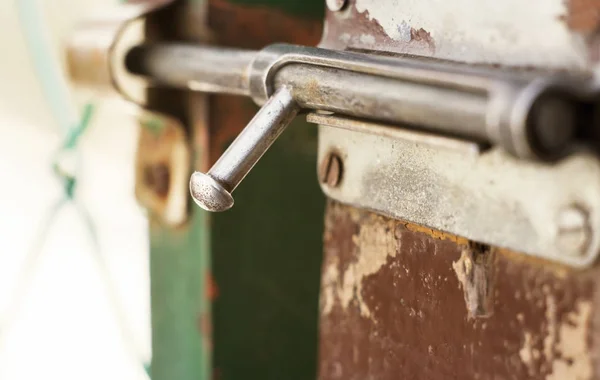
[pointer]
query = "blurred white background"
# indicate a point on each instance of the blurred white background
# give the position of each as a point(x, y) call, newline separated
point(65, 326)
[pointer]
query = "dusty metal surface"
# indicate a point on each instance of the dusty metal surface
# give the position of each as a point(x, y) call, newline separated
point(393, 307)
point(553, 34)
point(485, 196)
point(204, 68)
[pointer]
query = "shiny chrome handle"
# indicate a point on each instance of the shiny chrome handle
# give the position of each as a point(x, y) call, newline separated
point(212, 191)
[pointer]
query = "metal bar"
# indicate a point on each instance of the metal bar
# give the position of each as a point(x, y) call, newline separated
point(488, 106)
point(355, 94)
point(198, 68)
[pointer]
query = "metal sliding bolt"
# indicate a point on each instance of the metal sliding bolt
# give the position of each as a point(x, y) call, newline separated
point(212, 191)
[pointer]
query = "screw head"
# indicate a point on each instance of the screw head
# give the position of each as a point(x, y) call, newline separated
point(336, 5)
point(209, 194)
point(330, 170)
point(574, 230)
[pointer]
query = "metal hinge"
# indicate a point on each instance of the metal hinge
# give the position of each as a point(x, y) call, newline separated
point(423, 140)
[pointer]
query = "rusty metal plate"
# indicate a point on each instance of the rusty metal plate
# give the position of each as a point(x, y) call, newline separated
point(163, 164)
point(550, 211)
point(393, 307)
point(554, 34)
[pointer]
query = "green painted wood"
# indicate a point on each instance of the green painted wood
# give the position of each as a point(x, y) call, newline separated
point(266, 262)
point(179, 262)
point(180, 256)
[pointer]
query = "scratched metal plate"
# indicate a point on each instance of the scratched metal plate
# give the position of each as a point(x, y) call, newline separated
point(488, 197)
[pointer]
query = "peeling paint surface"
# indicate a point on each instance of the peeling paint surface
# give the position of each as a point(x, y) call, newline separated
point(392, 307)
point(329, 287)
point(582, 15)
point(527, 353)
point(565, 352)
point(510, 32)
point(372, 246)
point(513, 32)
point(574, 361)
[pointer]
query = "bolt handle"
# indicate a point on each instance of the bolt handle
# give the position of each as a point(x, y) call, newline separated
point(212, 191)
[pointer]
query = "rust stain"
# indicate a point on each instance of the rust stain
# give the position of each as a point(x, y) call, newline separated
point(583, 16)
point(405, 314)
point(212, 290)
point(422, 35)
point(156, 178)
point(162, 162)
point(352, 29)
point(436, 234)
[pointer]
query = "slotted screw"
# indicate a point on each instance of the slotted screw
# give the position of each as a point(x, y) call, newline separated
point(330, 169)
point(574, 230)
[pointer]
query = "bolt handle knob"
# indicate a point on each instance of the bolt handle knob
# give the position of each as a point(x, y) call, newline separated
point(209, 194)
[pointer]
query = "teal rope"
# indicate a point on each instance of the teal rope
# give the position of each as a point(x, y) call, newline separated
point(69, 180)
point(69, 145)
point(26, 273)
point(53, 83)
point(56, 92)
point(33, 255)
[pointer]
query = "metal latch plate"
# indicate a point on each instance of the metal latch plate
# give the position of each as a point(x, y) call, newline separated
point(549, 211)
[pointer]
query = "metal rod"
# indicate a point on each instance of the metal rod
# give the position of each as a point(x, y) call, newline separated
point(199, 68)
point(443, 110)
point(486, 106)
point(212, 191)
